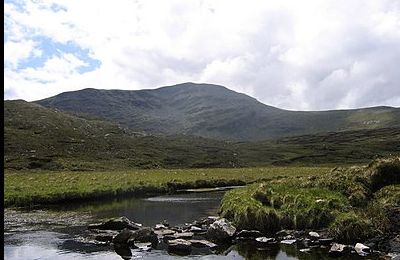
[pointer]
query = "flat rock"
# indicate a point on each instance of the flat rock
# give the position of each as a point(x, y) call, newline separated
point(143, 246)
point(116, 224)
point(313, 234)
point(179, 245)
point(265, 240)
point(164, 232)
point(202, 243)
point(288, 241)
point(248, 234)
point(196, 229)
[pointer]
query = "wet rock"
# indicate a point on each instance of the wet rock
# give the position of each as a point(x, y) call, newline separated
point(220, 231)
point(288, 241)
point(160, 226)
point(209, 220)
point(361, 249)
point(144, 235)
point(288, 237)
point(123, 251)
point(165, 223)
point(202, 243)
point(196, 229)
point(106, 236)
point(164, 232)
point(265, 241)
point(248, 234)
point(337, 250)
point(123, 237)
point(183, 235)
point(143, 246)
point(116, 224)
point(179, 245)
point(313, 234)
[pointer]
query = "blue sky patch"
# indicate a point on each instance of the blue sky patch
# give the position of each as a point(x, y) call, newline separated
point(50, 49)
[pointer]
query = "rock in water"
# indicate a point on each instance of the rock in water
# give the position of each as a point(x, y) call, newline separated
point(362, 250)
point(116, 224)
point(337, 249)
point(313, 234)
point(144, 235)
point(179, 245)
point(248, 234)
point(123, 236)
point(220, 231)
point(202, 243)
point(289, 241)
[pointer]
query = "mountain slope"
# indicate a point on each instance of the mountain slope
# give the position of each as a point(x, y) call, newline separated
point(212, 111)
point(43, 138)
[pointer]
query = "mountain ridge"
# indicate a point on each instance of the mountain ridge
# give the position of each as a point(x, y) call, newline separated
point(212, 111)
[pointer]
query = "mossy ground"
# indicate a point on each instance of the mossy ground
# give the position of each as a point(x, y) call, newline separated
point(350, 202)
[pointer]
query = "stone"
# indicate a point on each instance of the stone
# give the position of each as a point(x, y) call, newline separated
point(288, 241)
point(313, 234)
point(180, 245)
point(116, 224)
point(183, 235)
point(143, 246)
point(196, 229)
point(144, 235)
point(123, 237)
point(160, 226)
point(123, 251)
point(106, 236)
point(265, 240)
point(337, 249)
point(221, 230)
point(305, 250)
point(361, 249)
point(248, 234)
point(202, 243)
point(164, 232)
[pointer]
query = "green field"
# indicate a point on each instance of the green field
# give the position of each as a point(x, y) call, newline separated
point(27, 188)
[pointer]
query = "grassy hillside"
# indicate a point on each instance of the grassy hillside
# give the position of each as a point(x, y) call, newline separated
point(36, 137)
point(212, 111)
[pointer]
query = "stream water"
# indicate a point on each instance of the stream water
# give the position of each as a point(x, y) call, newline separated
point(61, 232)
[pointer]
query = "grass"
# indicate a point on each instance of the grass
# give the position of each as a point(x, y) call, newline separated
point(351, 203)
point(26, 188)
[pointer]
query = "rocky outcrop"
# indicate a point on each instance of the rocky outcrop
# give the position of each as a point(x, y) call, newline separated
point(220, 231)
point(116, 224)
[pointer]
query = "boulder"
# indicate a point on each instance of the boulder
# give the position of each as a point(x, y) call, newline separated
point(123, 237)
point(116, 224)
point(337, 250)
point(221, 230)
point(144, 235)
point(105, 236)
point(179, 245)
point(123, 251)
point(361, 249)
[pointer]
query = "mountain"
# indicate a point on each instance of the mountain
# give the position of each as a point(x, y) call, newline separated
point(36, 137)
point(212, 111)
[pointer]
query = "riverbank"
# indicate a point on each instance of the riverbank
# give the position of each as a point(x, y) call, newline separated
point(29, 188)
point(353, 204)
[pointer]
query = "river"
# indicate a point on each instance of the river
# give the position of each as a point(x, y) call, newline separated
point(60, 232)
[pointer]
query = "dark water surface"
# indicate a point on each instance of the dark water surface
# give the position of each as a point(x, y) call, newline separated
point(60, 232)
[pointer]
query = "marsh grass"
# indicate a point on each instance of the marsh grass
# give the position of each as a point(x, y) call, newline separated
point(350, 202)
point(44, 187)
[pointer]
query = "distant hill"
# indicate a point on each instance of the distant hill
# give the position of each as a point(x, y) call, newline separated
point(212, 111)
point(36, 137)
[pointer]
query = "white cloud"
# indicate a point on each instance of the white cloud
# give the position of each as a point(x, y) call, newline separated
point(292, 54)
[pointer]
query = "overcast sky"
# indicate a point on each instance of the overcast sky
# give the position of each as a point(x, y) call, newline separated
point(301, 55)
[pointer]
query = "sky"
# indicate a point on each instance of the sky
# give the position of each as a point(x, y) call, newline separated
point(298, 55)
